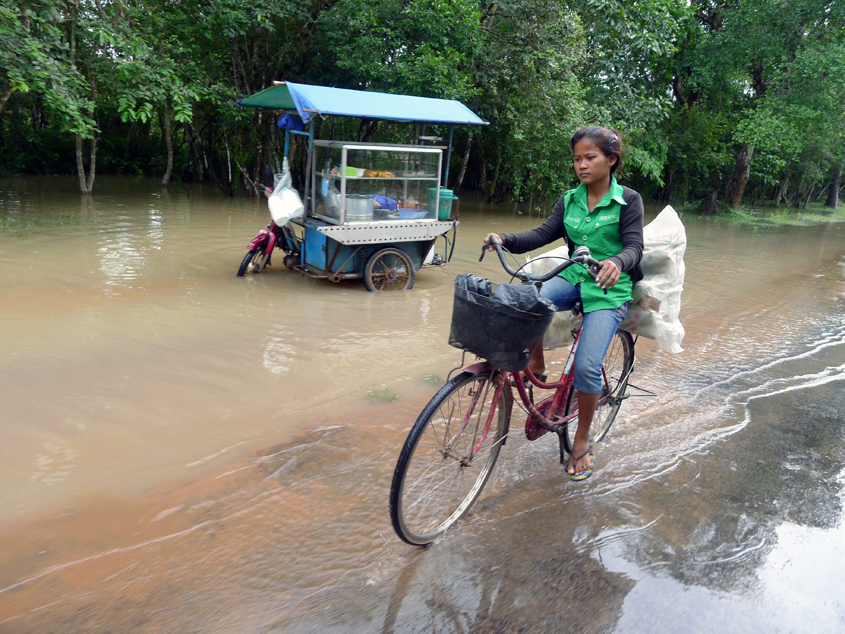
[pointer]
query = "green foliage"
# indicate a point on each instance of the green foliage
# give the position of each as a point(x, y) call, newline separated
point(700, 151)
point(530, 94)
point(772, 71)
point(687, 83)
point(34, 54)
point(18, 227)
point(761, 217)
point(420, 48)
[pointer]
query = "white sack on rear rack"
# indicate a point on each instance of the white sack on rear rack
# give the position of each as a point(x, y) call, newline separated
point(655, 310)
point(285, 203)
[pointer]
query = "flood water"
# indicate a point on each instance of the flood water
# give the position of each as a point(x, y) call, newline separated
point(188, 451)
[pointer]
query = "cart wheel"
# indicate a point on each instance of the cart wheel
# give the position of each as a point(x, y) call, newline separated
point(389, 270)
point(254, 261)
point(291, 261)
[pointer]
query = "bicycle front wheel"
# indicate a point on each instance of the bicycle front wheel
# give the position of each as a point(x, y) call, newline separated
point(447, 458)
point(616, 369)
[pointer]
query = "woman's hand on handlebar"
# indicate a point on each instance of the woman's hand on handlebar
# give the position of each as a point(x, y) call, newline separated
point(491, 237)
point(608, 274)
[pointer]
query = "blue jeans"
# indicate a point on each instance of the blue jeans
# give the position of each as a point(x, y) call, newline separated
point(596, 333)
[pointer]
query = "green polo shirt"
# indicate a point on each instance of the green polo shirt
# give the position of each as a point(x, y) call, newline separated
point(599, 231)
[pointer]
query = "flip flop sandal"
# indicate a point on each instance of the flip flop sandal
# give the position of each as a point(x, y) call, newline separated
point(589, 471)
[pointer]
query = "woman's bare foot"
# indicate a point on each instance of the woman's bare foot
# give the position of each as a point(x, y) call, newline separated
point(581, 463)
point(580, 459)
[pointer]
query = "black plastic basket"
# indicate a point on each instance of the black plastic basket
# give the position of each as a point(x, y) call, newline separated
point(503, 335)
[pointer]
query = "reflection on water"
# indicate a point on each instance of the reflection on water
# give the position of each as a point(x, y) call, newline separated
point(143, 383)
point(278, 354)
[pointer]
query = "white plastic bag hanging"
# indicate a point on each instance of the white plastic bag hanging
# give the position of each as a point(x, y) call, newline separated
point(285, 202)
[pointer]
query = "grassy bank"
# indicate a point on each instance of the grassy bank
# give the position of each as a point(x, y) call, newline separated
point(762, 216)
point(18, 227)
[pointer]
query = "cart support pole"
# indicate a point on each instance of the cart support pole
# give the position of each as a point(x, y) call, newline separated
point(448, 157)
point(308, 175)
point(287, 143)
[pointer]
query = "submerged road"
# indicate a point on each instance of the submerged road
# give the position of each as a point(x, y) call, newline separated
point(186, 451)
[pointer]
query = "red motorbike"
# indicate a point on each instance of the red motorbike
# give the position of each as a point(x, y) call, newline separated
point(261, 248)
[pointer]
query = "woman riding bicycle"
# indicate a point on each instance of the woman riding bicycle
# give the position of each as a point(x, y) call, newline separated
point(607, 218)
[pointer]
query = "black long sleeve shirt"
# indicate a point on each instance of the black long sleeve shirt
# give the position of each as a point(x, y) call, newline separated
point(630, 227)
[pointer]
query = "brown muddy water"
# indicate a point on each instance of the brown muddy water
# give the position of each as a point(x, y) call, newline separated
point(188, 451)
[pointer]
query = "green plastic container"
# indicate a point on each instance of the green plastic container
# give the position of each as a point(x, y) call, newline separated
point(444, 209)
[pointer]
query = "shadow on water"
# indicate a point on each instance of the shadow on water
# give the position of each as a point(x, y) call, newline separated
point(720, 501)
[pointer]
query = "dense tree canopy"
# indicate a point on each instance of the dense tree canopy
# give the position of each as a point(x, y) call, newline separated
point(720, 102)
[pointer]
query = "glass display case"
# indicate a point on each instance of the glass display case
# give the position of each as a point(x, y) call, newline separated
point(365, 183)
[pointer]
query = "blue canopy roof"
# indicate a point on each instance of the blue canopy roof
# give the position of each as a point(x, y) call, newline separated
point(310, 100)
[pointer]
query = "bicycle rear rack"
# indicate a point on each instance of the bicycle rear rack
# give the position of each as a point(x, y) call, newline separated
point(459, 367)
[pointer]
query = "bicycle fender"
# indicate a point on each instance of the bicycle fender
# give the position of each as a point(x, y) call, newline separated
point(478, 368)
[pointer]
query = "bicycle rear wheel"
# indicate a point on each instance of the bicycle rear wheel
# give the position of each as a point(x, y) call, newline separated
point(616, 369)
point(447, 459)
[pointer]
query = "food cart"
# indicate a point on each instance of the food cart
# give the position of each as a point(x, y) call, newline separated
point(372, 210)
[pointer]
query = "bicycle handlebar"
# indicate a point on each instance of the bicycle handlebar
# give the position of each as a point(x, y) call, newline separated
point(580, 256)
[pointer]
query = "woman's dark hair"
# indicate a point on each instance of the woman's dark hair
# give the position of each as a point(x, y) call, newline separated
point(608, 140)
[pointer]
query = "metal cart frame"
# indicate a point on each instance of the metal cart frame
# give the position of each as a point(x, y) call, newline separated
point(323, 247)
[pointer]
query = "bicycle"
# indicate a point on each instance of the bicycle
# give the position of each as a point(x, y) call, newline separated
point(453, 446)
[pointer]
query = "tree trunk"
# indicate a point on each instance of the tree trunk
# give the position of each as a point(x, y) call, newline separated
point(482, 159)
point(708, 205)
point(197, 171)
point(668, 186)
point(168, 139)
point(784, 185)
point(225, 185)
point(462, 172)
point(367, 129)
point(86, 181)
point(833, 191)
point(491, 187)
point(5, 98)
point(80, 165)
point(260, 152)
point(739, 180)
point(795, 199)
point(228, 162)
point(804, 196)
point(92, 165)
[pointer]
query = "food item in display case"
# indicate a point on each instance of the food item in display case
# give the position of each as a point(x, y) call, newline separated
point(383, 202)
point(378, 174)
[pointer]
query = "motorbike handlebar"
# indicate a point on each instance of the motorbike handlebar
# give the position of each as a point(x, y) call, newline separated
point(580, 256)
